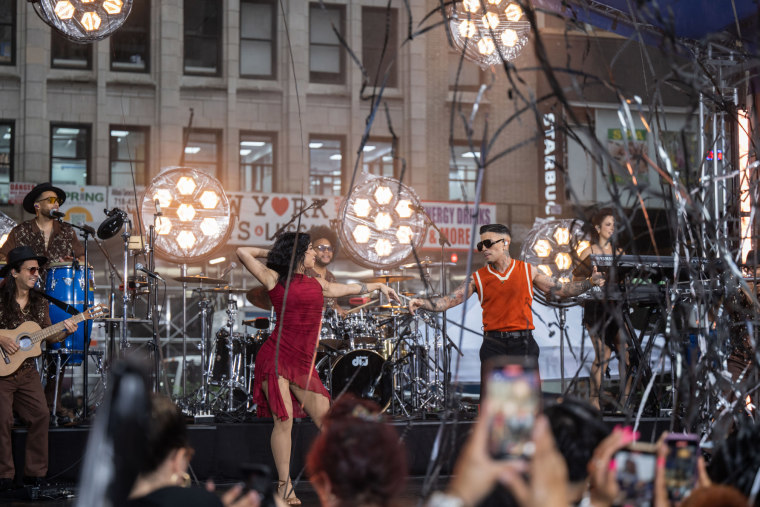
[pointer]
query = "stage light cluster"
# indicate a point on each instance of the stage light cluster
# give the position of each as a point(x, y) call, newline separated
point(380, 225)
point(195, 214)
point(555, 246)
point(84, 20)
point(488, 31)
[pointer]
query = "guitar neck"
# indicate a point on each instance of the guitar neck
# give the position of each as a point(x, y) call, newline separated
point(53, 330)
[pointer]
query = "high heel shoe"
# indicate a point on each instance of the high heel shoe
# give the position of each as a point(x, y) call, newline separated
point(282, 489)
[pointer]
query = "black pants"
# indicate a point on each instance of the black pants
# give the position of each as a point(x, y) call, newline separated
point(516, 343)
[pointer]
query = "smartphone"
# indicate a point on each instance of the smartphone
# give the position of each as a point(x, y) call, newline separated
point(512, 397)
point(681, 465)
point(259, 478)
point(635, 468)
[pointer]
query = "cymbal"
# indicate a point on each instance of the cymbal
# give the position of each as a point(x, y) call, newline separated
point(426, 263)
point(386, 279)
point(200, 279)
point(226, 289)
point(258, 296)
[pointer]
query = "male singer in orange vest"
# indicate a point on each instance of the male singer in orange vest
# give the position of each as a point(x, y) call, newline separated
point(505, 289)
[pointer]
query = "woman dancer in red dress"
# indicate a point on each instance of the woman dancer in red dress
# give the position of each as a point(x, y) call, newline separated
point(286, 383)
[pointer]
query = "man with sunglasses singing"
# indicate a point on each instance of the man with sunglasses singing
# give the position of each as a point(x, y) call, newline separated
point(44, 233)
point(505, 289)
point(325, 243)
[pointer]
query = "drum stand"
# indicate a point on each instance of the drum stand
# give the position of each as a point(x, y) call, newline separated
point(205, 305)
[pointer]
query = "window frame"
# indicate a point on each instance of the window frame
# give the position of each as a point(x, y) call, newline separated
point(219, 37)
point(147, 33)
point(60, 38)
point(394, 154)
point(273, 139)
point(186, 133)
point(14, 29)
point(145, 130)
point(88, 141)
point(11, 153)
point(272, 41)
point(329, 77)
point(464, 144)
point(391, 56)
point(331, 137)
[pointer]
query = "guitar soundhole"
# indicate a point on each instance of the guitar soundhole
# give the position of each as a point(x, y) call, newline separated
point(25, 343)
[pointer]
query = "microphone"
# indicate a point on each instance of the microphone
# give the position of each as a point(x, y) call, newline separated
point(56, 214)
point(229, 268)
point(155, 276)
point(318, 203)
point(157, 204)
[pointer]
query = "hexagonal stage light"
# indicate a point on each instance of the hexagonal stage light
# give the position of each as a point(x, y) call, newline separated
point(195, 217)
point(379, 226)
point(83, 20)
point(554, 246)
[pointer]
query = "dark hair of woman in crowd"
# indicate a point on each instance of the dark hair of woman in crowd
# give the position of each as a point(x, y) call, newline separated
point(358, 459)
point(280, 255)
point(167, 432)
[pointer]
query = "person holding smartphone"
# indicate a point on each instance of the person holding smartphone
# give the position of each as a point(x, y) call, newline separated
point(505, 289)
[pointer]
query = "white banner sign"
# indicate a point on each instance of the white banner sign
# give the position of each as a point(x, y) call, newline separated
point(455, 221)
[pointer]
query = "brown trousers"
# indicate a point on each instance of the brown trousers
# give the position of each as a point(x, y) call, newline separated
point(22, 392)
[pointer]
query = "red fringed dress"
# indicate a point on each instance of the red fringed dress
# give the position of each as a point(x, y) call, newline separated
point(298, 331)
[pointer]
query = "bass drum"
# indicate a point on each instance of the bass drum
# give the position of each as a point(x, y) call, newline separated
point(365, 374)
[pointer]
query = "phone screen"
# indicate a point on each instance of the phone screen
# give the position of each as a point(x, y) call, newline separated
point(513, 399)
point(635, 476)
point(681, 466)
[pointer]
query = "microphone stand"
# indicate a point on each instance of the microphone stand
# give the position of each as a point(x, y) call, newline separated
point(443, 241)
point(313, 205)
point(85, 231)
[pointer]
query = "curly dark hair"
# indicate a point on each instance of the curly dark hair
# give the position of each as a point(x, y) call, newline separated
point(359, 454)
point(8, 293)
point(278, 258)
point(322, 231)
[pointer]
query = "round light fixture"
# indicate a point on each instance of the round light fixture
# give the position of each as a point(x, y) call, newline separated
point(83, 20)
point(195, 217)
point(488, 32)
point(379, 227)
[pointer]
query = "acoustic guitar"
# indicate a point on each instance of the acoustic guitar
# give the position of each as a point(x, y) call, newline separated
point(28, 336)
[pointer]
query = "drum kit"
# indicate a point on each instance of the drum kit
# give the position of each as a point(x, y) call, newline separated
point(375, 351)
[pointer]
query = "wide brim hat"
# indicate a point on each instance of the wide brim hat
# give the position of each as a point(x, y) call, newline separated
point(35, 193)
point(18, 255)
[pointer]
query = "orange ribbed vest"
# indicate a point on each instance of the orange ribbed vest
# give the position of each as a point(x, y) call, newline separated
point(506, 298)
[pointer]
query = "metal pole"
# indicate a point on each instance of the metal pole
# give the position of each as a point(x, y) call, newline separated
point(184, 331)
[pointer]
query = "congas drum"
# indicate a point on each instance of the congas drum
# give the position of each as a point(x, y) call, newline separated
point(365, 374)
point(66, 283)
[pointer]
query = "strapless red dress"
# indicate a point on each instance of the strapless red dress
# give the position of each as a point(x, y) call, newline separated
point(290, 350)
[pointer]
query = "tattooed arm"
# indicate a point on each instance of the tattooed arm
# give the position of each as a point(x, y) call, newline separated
point(567, 289)
point(440, 304)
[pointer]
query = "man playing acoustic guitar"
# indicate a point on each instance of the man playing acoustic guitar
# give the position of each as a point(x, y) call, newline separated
point(21, 390)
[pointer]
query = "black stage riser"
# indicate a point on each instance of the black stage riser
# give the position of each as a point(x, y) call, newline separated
point(220, 449)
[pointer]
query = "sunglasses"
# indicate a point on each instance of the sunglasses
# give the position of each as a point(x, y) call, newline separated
point(50, 200)
point(324, 248)
point(32, 270)
point(487, 243)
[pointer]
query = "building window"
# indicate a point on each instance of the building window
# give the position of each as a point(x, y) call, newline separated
point(130, 44)
point(69, 55)
point(69, 154)
point(380, 44)
point(463, 173)
point(257, 162)
point(326, 56)
point(128, 154)
point(471, 76)
point(203, 150)
point(203, 37)
point(325, 165)
point(6, 159)
point(7, 33)
point(377, 158)
point(257, 38)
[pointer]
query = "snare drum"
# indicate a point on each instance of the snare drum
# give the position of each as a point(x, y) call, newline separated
point(67, 284)
point(364, 374)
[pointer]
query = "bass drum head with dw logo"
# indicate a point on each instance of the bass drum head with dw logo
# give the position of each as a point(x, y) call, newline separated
point(365, 374)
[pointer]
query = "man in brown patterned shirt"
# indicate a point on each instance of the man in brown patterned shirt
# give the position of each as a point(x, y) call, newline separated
point(47, 237)
point(51, 239)
point(22, 391)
